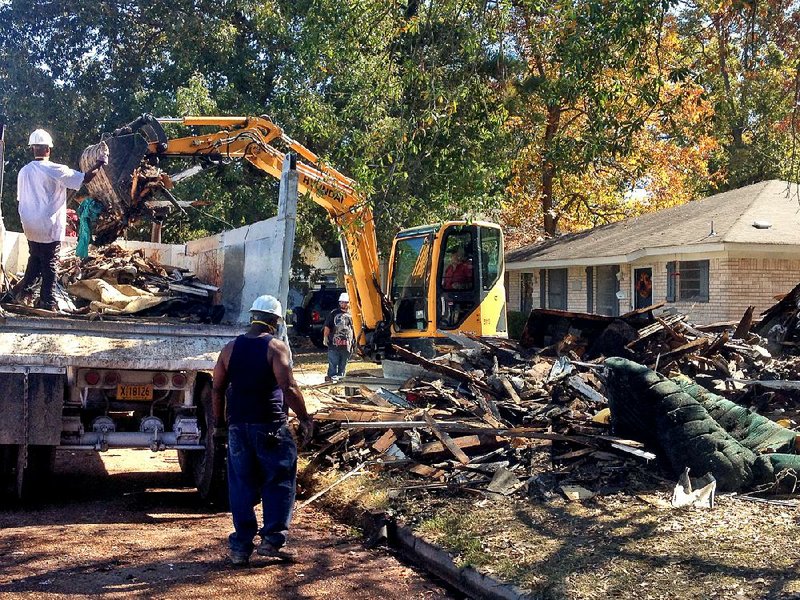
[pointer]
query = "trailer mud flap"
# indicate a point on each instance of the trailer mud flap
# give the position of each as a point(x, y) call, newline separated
point(31, 402)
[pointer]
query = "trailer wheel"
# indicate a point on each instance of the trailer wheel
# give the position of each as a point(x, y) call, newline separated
point(209, 467)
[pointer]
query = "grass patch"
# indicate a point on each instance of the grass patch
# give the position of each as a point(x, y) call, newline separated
point(453, 532)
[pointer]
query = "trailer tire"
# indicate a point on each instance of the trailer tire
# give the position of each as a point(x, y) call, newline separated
point(209, 467)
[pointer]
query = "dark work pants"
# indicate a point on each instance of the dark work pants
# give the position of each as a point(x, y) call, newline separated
point(43, 261)
point(262, 462)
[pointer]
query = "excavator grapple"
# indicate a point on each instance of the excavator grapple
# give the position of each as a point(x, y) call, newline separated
point(130, 179)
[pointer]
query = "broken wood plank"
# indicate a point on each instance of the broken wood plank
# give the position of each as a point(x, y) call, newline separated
point(187, 289)
point(446, 440)
point(509, 388)
point(577, 383)
point(464, 442)
point(426, 471)
point(743, 328)
point(455, 427)
point(716, 345)
point(643, 310)
point(450, 372)
point(684, 349)
point(374, 398)
point(384, 442)
point(336, 414)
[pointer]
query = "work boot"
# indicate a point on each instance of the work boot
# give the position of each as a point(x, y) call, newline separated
point(239, 558)
point(265, 548)
point(44, 306)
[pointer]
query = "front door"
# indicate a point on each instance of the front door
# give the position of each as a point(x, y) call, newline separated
point(642, 287)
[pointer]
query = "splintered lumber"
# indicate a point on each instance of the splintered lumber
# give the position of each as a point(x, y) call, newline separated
point(743, 328)
point(450, 372)
point(716, 345)
point(465, 442)
point(374, 398)
point(353, 414)
point(643, 310)
point(186, 289)
point(684, 349)
point(384, 442)
point(654, 328)
point(456, 427)
point(577, 383)
point(446, 440)
point(509, 388)
point(425, 471)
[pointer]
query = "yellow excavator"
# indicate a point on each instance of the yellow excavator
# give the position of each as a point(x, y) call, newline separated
point(443, 278)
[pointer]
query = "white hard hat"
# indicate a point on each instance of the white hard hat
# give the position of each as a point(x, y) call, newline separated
point(344, 297)
point(267, 304)
point(40, 138)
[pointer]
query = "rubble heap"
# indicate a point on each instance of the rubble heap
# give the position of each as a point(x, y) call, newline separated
point(535, 417)
point(115, 281)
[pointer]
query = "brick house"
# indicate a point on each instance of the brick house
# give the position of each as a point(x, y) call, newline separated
point(708, 259)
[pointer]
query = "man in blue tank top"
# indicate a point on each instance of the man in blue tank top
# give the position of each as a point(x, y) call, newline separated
point(254, 379)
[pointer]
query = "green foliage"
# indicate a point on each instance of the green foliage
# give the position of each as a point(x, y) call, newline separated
point(395, 98)
point(437, 109)
point(747, 57)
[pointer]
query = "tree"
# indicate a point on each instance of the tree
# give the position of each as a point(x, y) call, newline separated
point(602, 114)
point(747, 57)
point(395, 96)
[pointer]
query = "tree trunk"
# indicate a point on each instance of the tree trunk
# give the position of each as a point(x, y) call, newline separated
point(549, 170)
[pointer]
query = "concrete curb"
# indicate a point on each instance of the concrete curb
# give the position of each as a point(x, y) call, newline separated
point(439, 562)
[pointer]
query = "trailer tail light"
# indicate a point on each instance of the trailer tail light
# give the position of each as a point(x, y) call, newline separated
point(111, 378)
point(160, 380)
point(179, 380)
point(91, 377)
point(315, 316)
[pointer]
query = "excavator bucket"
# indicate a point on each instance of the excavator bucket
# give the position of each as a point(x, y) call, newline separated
point(129, 179)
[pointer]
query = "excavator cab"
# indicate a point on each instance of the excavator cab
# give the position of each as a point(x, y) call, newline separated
point(447, 278)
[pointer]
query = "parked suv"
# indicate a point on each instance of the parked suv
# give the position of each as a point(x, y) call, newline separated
point(309, 319)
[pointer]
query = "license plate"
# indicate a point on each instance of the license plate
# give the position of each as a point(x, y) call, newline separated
point(134, 392)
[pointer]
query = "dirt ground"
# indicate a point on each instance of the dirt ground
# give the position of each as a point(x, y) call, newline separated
point(123, 525)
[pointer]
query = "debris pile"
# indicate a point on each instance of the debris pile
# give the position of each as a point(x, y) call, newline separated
point(114, 281)
point(537, 417)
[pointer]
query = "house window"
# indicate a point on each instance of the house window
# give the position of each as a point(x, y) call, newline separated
point(526, 293)
point(607, 303)
point(553, 288)
point(687, 280)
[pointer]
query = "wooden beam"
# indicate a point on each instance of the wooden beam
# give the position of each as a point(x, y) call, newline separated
point(446, 440)
point(456, 374)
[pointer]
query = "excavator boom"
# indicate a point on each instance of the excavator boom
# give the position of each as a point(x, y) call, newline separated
point(443, 279)
point(132, 180)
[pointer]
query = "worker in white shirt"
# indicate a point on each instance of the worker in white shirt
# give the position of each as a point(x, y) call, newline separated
point(42, 195)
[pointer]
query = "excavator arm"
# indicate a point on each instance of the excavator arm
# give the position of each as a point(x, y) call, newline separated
point(253, 139)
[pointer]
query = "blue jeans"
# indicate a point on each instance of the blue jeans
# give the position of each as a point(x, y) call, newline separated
point(262, 463)
point(337, 360)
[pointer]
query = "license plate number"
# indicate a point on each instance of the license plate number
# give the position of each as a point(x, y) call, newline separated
point(134, 392)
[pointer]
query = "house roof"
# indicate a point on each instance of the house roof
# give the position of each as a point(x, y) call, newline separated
point(686, 229)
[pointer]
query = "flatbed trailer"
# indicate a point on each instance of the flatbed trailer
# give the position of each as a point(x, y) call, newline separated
point(95, 385)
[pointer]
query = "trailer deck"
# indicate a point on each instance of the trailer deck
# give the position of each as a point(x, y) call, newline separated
point(63, 342)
